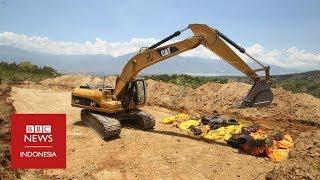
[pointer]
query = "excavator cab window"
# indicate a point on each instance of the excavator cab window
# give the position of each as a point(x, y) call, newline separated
point(139, 88)
point(135, 92)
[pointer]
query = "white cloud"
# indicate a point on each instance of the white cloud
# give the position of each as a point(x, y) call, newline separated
point(99, 46)
point(291, 57)
point(301, 55)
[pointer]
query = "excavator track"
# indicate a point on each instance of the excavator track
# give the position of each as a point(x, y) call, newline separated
point(106, 127)
point(145, 121)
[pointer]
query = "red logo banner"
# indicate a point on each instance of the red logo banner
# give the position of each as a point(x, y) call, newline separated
point(38, 141)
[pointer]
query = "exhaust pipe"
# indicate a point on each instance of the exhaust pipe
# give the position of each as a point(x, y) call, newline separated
point(260, 95)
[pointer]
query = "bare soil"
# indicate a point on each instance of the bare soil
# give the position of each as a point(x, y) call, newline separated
point(291, 112)
point(165, 152)
point(297, 114)
point(303, 161)
point(6, 109)
point(161, 153)
point(73, 80)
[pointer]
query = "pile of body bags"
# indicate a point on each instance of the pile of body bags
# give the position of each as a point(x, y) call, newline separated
point(252, 139)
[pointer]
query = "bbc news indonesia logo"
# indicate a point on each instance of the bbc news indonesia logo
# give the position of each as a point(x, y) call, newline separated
point(32, 135)
point(38, 141)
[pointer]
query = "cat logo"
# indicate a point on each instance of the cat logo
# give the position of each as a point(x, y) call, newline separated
point(165, 52)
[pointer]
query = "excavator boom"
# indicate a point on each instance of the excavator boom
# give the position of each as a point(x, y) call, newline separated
point(151, 56)
point(260, 94)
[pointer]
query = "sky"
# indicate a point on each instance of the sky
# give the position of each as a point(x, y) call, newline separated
point(280, 32)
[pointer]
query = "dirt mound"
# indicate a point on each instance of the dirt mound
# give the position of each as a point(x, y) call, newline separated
point(6, 109)
point(222, 97)
point(303, 161)
point(286, 106)
point(293, 113)
point(211, 96)
point(73, 80)
point(166, 94)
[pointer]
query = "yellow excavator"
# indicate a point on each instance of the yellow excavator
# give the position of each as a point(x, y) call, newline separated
point(104, 107)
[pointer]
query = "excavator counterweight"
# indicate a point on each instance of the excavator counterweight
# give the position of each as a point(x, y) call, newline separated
point(105, 107)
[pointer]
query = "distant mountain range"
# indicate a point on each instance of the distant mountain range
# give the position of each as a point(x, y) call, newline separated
point(106, 64)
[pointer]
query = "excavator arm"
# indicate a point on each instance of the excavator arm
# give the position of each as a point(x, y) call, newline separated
point(258, 96)
point(149, 57)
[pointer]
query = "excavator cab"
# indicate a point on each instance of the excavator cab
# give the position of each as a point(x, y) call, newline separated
point(135, 92)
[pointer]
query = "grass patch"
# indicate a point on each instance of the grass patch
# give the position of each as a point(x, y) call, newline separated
point(25, 71)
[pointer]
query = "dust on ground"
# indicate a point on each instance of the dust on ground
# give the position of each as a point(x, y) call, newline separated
point(160, 153)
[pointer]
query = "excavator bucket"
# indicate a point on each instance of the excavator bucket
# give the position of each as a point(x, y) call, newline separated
point(260, 95)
